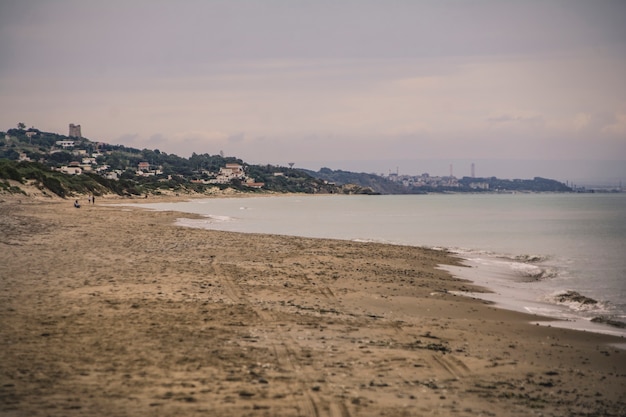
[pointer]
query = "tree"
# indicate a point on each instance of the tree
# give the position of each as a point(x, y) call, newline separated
point(21, 126)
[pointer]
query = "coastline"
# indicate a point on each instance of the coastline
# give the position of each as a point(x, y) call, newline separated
point(121, 312)
point(516, 280)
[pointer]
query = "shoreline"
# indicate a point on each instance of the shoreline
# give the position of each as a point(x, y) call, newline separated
point(121, 312)
point(505, 294)
point(502, 291)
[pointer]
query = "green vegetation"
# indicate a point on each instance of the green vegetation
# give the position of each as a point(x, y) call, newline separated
point(373, 182)
point(290, 180)
point(115, 169)
point(45, 179)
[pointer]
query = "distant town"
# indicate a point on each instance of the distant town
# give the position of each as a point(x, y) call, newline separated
point(73, 164)
point(426, 181)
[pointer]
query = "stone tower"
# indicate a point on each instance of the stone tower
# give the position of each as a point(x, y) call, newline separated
point(75, 131)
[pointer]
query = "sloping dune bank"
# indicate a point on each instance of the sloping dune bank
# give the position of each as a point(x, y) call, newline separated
point(114, 311)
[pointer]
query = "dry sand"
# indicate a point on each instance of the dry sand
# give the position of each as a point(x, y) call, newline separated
point(114, 311)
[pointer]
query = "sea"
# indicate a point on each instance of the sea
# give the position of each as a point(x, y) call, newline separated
point(558, 256)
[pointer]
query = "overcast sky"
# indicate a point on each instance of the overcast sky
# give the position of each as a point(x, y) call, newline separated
point(361, 85)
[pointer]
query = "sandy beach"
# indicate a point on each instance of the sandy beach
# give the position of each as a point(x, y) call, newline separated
point(114, 311)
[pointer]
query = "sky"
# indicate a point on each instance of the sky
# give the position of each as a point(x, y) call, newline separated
point(522, 88)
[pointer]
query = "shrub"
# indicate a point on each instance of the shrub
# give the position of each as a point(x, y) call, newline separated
point(54, 185)
point(9, 172)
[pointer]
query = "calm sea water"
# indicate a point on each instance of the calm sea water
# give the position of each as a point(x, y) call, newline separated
point(527, 248)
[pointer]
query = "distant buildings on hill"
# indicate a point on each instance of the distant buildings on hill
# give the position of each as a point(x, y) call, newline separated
point(424, 180)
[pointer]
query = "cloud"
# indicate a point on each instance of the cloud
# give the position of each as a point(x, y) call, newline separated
point(597, 123)
point(129, 138)
point(156, 140)
point(617, 126)
point(507, 118)
point(236, 138)
point(501, 119)
point(199, 135)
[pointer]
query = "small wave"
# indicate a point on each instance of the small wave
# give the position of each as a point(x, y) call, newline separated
point(530, 258)
point(383, 241)
point(524, 268)
point(471, 253)
point(204, 222)
point(443, 249)
point(526, 258)
point(574, 297)
point(508, 267)
point(531, 273)
point(220, 219)
point(610, 321)
point(579, 302)
point(357, 240)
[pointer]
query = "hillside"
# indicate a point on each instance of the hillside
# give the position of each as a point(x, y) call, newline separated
point(378, 184)
point(65, 166)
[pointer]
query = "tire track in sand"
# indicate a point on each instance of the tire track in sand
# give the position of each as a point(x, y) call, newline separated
point(313, 404)
point(308, 402)
point(452, 365)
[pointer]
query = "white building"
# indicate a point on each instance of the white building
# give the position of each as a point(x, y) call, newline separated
point(229, 173)
point(65, 143)
point(71, 170)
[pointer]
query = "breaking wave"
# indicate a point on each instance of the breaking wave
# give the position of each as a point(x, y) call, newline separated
point(529, 272)
point(580, 303)
point(531, 258)
point(202, 223)
point(523, 268)
point(609, 321)
point(599, 312)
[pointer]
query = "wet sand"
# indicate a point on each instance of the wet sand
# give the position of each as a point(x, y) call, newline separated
point(114, 311)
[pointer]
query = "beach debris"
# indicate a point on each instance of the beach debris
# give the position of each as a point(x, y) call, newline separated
point(379, 383)
point(429, 384)
point(437, 347)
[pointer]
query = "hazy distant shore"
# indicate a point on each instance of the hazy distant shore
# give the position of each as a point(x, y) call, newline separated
point(111, 310)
